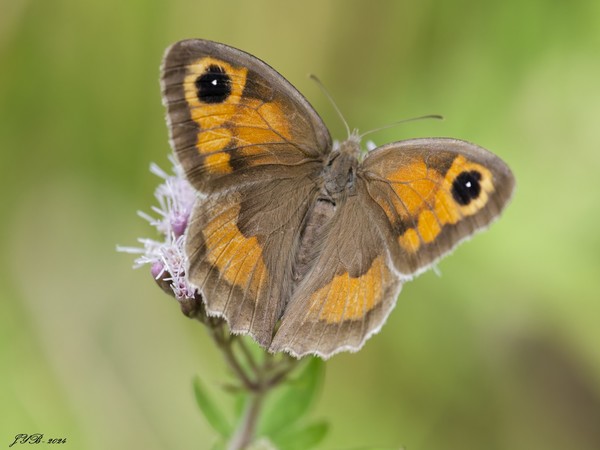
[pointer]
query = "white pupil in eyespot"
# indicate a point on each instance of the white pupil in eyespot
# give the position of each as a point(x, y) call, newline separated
point(468, 184)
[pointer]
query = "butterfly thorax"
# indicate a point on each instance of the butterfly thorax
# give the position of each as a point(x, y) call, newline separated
point(339, 173)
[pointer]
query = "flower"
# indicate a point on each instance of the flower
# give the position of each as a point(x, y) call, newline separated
point(167, 258)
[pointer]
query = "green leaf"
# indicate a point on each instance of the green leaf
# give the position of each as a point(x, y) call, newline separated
point(253, 350)
point(369, 447)
point(210, 410)
point(239, 404)
point(219, 445)
point(262, 444)
point(303, 438)
point(294, 399)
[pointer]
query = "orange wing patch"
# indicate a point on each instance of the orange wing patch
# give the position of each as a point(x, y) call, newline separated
point(349, 298)
point(236, 122)
point(413, 185)
point(211, 117)
point(424, 199)
point(410, 240)
point(238, 259)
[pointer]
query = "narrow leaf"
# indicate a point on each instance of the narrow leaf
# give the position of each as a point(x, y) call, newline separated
point(239, 404)
point(219, 445)
point(294, 399)
point(210, 410)
point(303, 438)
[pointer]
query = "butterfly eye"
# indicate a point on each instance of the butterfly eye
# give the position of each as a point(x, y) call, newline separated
point(214, 85)
point(466, 187)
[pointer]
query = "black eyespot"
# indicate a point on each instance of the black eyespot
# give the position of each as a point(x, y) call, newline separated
point(214, 85)
point(466, 187)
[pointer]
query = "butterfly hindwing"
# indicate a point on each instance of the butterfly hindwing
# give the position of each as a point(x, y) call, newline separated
point(240, 246)
point(349, 290)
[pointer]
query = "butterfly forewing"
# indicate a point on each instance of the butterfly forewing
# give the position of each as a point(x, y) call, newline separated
point(232, 118)
point(434, 193)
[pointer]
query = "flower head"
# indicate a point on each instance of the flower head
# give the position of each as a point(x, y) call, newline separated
point(166, 256)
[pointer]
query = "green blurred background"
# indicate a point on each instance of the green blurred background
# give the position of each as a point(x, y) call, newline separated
point(500, 352)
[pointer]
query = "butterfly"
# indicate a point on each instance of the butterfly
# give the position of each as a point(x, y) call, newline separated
point(300, 243)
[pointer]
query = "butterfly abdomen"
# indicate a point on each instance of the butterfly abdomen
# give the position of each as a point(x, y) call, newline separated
point(336, 182)
point(314, 231)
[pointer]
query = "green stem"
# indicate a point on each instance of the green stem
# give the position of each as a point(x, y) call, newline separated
point(225, 344)
point(257, 379)
point(247, 427)
point(248, 355)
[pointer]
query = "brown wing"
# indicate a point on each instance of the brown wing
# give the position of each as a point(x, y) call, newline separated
point(232, 118)
point(249, 140)
point(434, 193)
point(350, 289)
point(241, 245)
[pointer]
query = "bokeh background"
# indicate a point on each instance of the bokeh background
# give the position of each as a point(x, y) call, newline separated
point(500, 352)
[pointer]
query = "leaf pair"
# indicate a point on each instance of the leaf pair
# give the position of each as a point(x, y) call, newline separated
point(282, 421)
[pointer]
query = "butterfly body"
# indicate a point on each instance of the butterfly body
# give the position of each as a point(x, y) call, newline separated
point(339, 174)
point(302, 244)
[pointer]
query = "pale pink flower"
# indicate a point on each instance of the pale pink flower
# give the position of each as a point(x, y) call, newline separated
point(166, 255)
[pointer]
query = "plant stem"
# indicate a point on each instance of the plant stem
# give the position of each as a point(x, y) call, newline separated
point(256, 378)
point(246, 429)
point(248, 355)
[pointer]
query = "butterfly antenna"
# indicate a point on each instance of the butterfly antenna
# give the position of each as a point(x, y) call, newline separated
point(393, 124)
point(330, 98)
